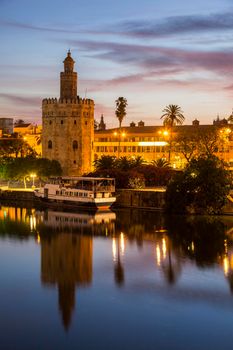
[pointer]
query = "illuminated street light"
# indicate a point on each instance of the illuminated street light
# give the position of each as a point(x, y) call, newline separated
point(33, 179)
point(120, 135)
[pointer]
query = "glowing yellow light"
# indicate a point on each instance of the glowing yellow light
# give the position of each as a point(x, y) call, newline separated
point(114, 249)
point(158, 255)
point(164, 248)
point(33, 176)
point(225, 265)
point(115, 133)
point(153, 143)
point(192, 246)
point(122, 242)
point(225, 246)
point(38, 239)
point(123, 134)
point(165, 133)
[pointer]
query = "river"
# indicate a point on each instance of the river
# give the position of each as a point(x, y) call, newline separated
point(127, 279)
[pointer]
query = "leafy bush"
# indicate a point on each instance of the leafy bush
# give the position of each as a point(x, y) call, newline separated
point(200, 189)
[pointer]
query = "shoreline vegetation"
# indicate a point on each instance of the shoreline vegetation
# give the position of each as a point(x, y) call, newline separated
point(203, 187)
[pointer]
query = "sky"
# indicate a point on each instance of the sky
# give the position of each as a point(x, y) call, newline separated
point(152, 52)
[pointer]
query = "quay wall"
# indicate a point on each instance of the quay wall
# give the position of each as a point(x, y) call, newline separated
point(125, 198)
point(12, 195)
point(148, 199)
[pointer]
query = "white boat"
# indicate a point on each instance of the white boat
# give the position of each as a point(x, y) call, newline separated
point(89, 192)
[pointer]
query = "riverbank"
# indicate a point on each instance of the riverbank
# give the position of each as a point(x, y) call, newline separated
point(149, 198)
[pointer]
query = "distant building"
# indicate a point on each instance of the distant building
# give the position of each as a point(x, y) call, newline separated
point(6, 125)
point(102, 125)
point(31, 134)
point(152, 142)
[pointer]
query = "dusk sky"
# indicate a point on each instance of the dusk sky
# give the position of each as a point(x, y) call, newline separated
point(152, 52)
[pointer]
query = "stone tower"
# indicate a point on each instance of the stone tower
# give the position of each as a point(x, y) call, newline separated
point(68, 125)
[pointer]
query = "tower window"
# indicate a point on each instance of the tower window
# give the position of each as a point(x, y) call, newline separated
point(50, 122)
point(85, 122)
point(50, 144)
point(75, 145)
point(61, 121)
point(74, 161)
point(75, 122)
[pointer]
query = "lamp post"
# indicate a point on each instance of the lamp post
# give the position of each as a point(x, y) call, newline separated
point(119, 134)
point(166, 133)
point(33, 179)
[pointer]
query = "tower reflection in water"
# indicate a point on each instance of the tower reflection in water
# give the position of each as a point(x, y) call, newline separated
point(66, 261)
point(67, 253)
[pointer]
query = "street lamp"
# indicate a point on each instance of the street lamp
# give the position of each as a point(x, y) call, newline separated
point(165, 134)
point(119, 134)
point(33, 179)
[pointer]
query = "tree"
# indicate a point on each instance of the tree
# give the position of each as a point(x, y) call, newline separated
point(172, 115)
point(21, 168)
point(201, 188)
point(137, 161)
point(19, 122)
point(105, 162)
point(161, 163)
point(124, 163)
point(120, 112)
point(208, 141)
point(187, 143)
point(14, 147)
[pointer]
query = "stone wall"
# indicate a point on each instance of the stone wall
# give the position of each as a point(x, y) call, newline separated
point(64, 123)
point(150, 199)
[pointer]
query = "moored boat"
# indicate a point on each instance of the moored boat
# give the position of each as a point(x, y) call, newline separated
point(89, 192)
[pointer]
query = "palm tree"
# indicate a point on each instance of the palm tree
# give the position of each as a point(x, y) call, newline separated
point(161, 163)
point(121, 104)
point(105, 162)
point(172, 115)
point(137, 162)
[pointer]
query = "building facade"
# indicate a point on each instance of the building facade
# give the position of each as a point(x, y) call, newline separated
point(68, 125)
point(153, 142)
point(6, 125)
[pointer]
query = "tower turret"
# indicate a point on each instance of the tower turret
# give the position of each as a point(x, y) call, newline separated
point(68, 79)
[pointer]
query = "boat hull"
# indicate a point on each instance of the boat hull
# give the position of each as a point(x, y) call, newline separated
point(55, 203)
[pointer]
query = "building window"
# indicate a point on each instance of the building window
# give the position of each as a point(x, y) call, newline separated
point(85, 122)
point(75, 122)
point(50, 144)
point(74, 161)
point(50, 122)
point(61, 121)
point(75, 145)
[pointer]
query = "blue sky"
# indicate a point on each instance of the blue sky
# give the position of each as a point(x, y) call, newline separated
point(154, 53)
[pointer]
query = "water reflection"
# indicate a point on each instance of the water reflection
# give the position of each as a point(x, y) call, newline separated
point(66, 243)
point(66, 262)
point(118, 250)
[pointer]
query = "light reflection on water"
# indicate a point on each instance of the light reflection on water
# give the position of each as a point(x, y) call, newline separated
point(131, 270)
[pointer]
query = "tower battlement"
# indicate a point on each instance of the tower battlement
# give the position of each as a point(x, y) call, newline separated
point(78, 100)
